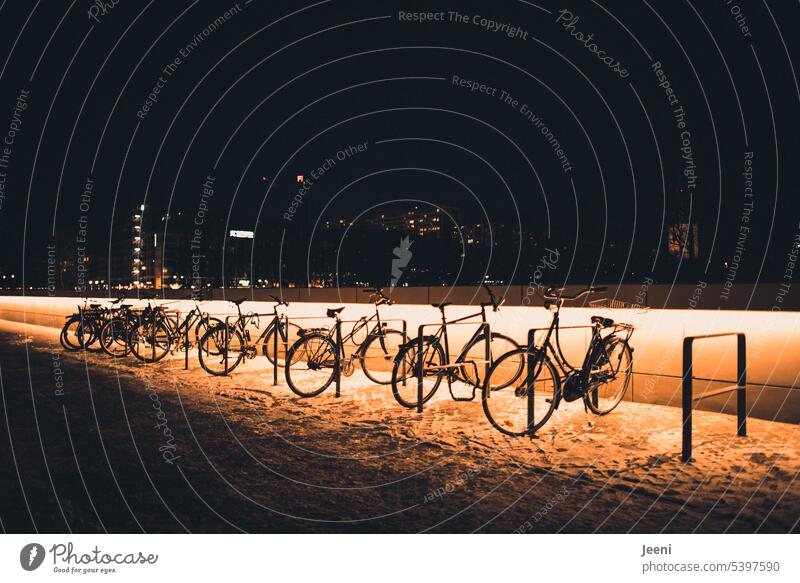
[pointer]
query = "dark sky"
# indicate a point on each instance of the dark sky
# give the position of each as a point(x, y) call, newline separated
point(280, 87)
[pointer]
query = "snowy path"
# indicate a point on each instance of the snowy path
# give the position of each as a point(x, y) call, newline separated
point(255, 457)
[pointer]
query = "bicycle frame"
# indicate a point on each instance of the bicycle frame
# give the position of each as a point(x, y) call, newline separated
point(447, 366)
point(442, 332)
point(565, 368)
point(360, 324)
point(240, 323)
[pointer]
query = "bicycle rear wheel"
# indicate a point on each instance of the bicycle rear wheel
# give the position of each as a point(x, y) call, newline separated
point(378, 355)
point(311, 364)
point(610, 374)
point(404, 373)
point(525, 406)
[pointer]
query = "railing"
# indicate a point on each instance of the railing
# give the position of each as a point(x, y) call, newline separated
point(740, 387)
point(420, 372)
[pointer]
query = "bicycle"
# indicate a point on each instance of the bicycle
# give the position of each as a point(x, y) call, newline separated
point(601, 381)
point(437, 364)
point(157, 332)
point(82, 329)
point(115, 333)
point(313, 361)
point(225, 346)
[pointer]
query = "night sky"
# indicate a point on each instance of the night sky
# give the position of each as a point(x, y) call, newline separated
point(508, 111)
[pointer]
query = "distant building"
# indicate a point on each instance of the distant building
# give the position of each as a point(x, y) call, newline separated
point(426, 221)
point(682, 240)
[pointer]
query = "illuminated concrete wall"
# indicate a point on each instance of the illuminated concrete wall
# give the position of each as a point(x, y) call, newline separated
point(773, 342)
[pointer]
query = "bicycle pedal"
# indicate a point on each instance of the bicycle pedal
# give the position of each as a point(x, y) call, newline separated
point(348, 368)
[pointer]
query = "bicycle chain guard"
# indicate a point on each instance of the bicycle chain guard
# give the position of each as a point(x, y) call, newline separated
point(575, 386)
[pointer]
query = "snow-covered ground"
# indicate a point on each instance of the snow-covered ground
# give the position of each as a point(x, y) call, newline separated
point(363, 461)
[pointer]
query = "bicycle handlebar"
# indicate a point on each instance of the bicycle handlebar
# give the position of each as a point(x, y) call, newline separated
point(493, 299)
point(377, 296)
point(279, 301)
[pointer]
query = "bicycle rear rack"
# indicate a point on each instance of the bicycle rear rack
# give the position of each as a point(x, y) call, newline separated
point(740, 387)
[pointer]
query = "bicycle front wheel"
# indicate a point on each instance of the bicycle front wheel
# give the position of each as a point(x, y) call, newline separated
point(114, 337)
point(204, 325)
point(405, 378)
point(219, 353)
point(311, 364)
point(525, 406)
point(378, 355)
point(150, 341)
point(268, 347)
point(75, 335)
point(474, 359)
point(610, 374)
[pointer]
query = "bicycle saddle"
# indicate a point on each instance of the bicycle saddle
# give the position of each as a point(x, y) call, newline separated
point(95, 306)
point(125, 306)
point(442, 305)
point(238, 302)
point(333, 311)
point(606, 322)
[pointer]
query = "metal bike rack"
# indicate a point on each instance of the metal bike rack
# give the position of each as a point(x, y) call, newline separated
point(337, 378)
point(248, 318)
point(740, 387)
point(276, 322)
point(323, 319)
point(203, 316)
point(420, 372)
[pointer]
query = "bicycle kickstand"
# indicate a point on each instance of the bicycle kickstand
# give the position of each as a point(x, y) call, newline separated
point(586, 411)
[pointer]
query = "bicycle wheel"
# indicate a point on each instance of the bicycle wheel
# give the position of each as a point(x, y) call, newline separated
point(149, 341)
point(215, 346)
point(311, 364)
point(476, 352)
point(610, 375)
point(378, 354)
point(518, 410)
point(95, 327)
point(74, 335)
point(114, 337)
point(268, 347)
point(203, 326)
point(404, 373)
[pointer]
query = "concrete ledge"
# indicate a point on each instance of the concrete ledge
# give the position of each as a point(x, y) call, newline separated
point(773, 340)
point(745, 296)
